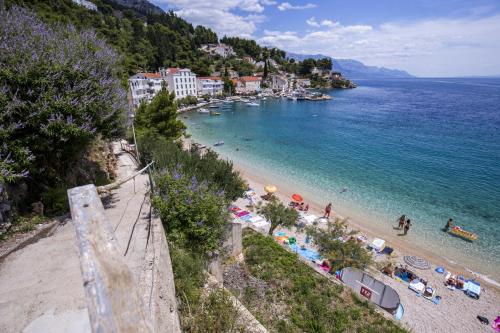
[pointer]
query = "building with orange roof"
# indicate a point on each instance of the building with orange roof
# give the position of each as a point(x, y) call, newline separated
point(248, 84)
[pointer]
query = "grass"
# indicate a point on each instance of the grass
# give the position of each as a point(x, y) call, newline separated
point(23, 224)
point(200, 311)
point(300, 300)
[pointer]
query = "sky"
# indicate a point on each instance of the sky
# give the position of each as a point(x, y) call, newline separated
point(427, 38)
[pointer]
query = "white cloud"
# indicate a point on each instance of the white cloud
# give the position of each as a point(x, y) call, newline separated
point(428, 48)
point(325, 23)
point(312, 22)
point(328, 23)
point(268, 2)
point(219, 15)
point(287, 6)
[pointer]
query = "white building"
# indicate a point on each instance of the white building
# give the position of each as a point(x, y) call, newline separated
point(86, 4)
point(220, 49)
point(180, 80)
point(209, 85)
point(144, 86)
point(279, 82)
point(248, 84)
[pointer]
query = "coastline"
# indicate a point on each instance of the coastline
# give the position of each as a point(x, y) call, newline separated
point(403, 246)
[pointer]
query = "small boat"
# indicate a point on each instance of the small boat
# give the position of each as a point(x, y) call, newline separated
point(219, 143)
point(459, 232)
point(214, 106)
point(228, 101)
point(215, 113)
point(244, 100)
point(252, 104)
point(203, 110)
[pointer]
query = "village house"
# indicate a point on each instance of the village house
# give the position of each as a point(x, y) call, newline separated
point(218, 49)
point(279, 82)
point(181, 81)
point(249, 59)
point(247, 84)
point(209, 85)
point(336, 75)
point(320, 71)
point(144, 86)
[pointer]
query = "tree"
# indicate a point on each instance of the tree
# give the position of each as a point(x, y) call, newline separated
point(341, 254)
point(229, 87)
point(160, 116)
point(59, 89)
point(279, 215)
point(265, 69)
point(306, 66)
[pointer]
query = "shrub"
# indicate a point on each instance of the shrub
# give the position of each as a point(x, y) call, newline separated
point(55, 201)
point(59, 87)
point(193, 215)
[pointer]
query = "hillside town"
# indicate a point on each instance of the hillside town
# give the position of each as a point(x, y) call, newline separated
point(268, 78)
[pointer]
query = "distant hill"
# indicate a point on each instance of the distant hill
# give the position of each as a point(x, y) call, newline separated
point(354, 69)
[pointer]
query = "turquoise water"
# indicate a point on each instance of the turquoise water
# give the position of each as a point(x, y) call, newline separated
point(427, 148)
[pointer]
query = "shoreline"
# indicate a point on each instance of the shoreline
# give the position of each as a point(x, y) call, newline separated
point(401, 244)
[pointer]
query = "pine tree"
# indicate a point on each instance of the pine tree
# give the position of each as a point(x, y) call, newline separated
point(265, 69)
point(160, 116)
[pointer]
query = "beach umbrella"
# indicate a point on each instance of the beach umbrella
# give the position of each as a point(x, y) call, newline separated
point(270, 189)
point(417, 262)
point(297, 197)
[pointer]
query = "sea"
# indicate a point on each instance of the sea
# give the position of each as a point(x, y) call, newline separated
point(426, 148)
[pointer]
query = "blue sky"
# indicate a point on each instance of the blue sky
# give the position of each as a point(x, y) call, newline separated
point(424, 37)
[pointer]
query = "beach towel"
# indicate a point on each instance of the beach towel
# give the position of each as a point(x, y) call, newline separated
point(437, 300)
point(280, 233)
point(243, 213)
point(417, 286)
point(305, 252)
point(377, 244)
point(496, 324)
point(256, 218)
point(388, 250)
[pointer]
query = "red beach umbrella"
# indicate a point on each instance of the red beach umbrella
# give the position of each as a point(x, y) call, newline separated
point(297, 197)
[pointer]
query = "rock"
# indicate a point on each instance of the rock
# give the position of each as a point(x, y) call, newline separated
point(37, 208)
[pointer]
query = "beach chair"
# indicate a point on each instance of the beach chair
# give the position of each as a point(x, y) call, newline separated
point(472, 289)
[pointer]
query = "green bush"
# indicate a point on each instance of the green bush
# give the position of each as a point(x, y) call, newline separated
point(55, 201)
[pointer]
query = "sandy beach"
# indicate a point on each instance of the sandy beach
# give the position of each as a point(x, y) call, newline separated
point(456, 311)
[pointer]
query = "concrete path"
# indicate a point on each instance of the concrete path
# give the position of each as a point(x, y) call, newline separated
point(41, 285)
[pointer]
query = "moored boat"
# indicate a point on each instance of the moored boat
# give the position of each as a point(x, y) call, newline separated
point(252, 104)
point(219, 143)
point(203, 110)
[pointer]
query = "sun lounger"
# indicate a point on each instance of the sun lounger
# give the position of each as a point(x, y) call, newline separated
point(310, 218)
point(417, 286)
point(472, 289)
point(377, 244)
point(256, 218)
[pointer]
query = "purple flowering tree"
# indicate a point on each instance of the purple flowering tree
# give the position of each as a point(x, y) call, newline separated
point(59, 89)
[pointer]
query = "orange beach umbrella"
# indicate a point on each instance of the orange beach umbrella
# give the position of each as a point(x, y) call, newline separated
point(297, 197)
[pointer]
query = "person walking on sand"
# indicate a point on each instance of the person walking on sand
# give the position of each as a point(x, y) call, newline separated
point(328, 209)
point(401, 221)
point(407, 227)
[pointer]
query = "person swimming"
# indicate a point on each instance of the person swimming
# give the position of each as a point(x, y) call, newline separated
point(401, 221)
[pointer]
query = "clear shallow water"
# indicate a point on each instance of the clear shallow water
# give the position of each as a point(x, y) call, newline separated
point(428, 148)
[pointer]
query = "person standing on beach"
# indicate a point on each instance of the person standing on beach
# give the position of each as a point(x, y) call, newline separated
point(401, 221)
point(407, 227)
point(328, 209)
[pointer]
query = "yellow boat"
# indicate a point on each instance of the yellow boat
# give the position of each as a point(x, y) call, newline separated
point(459, 232)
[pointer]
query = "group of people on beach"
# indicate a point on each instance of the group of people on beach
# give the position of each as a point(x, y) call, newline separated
point(300, 206)
point(404, 224)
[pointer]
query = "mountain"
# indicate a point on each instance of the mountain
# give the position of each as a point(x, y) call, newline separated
point(354, 69)
point(143, 6)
